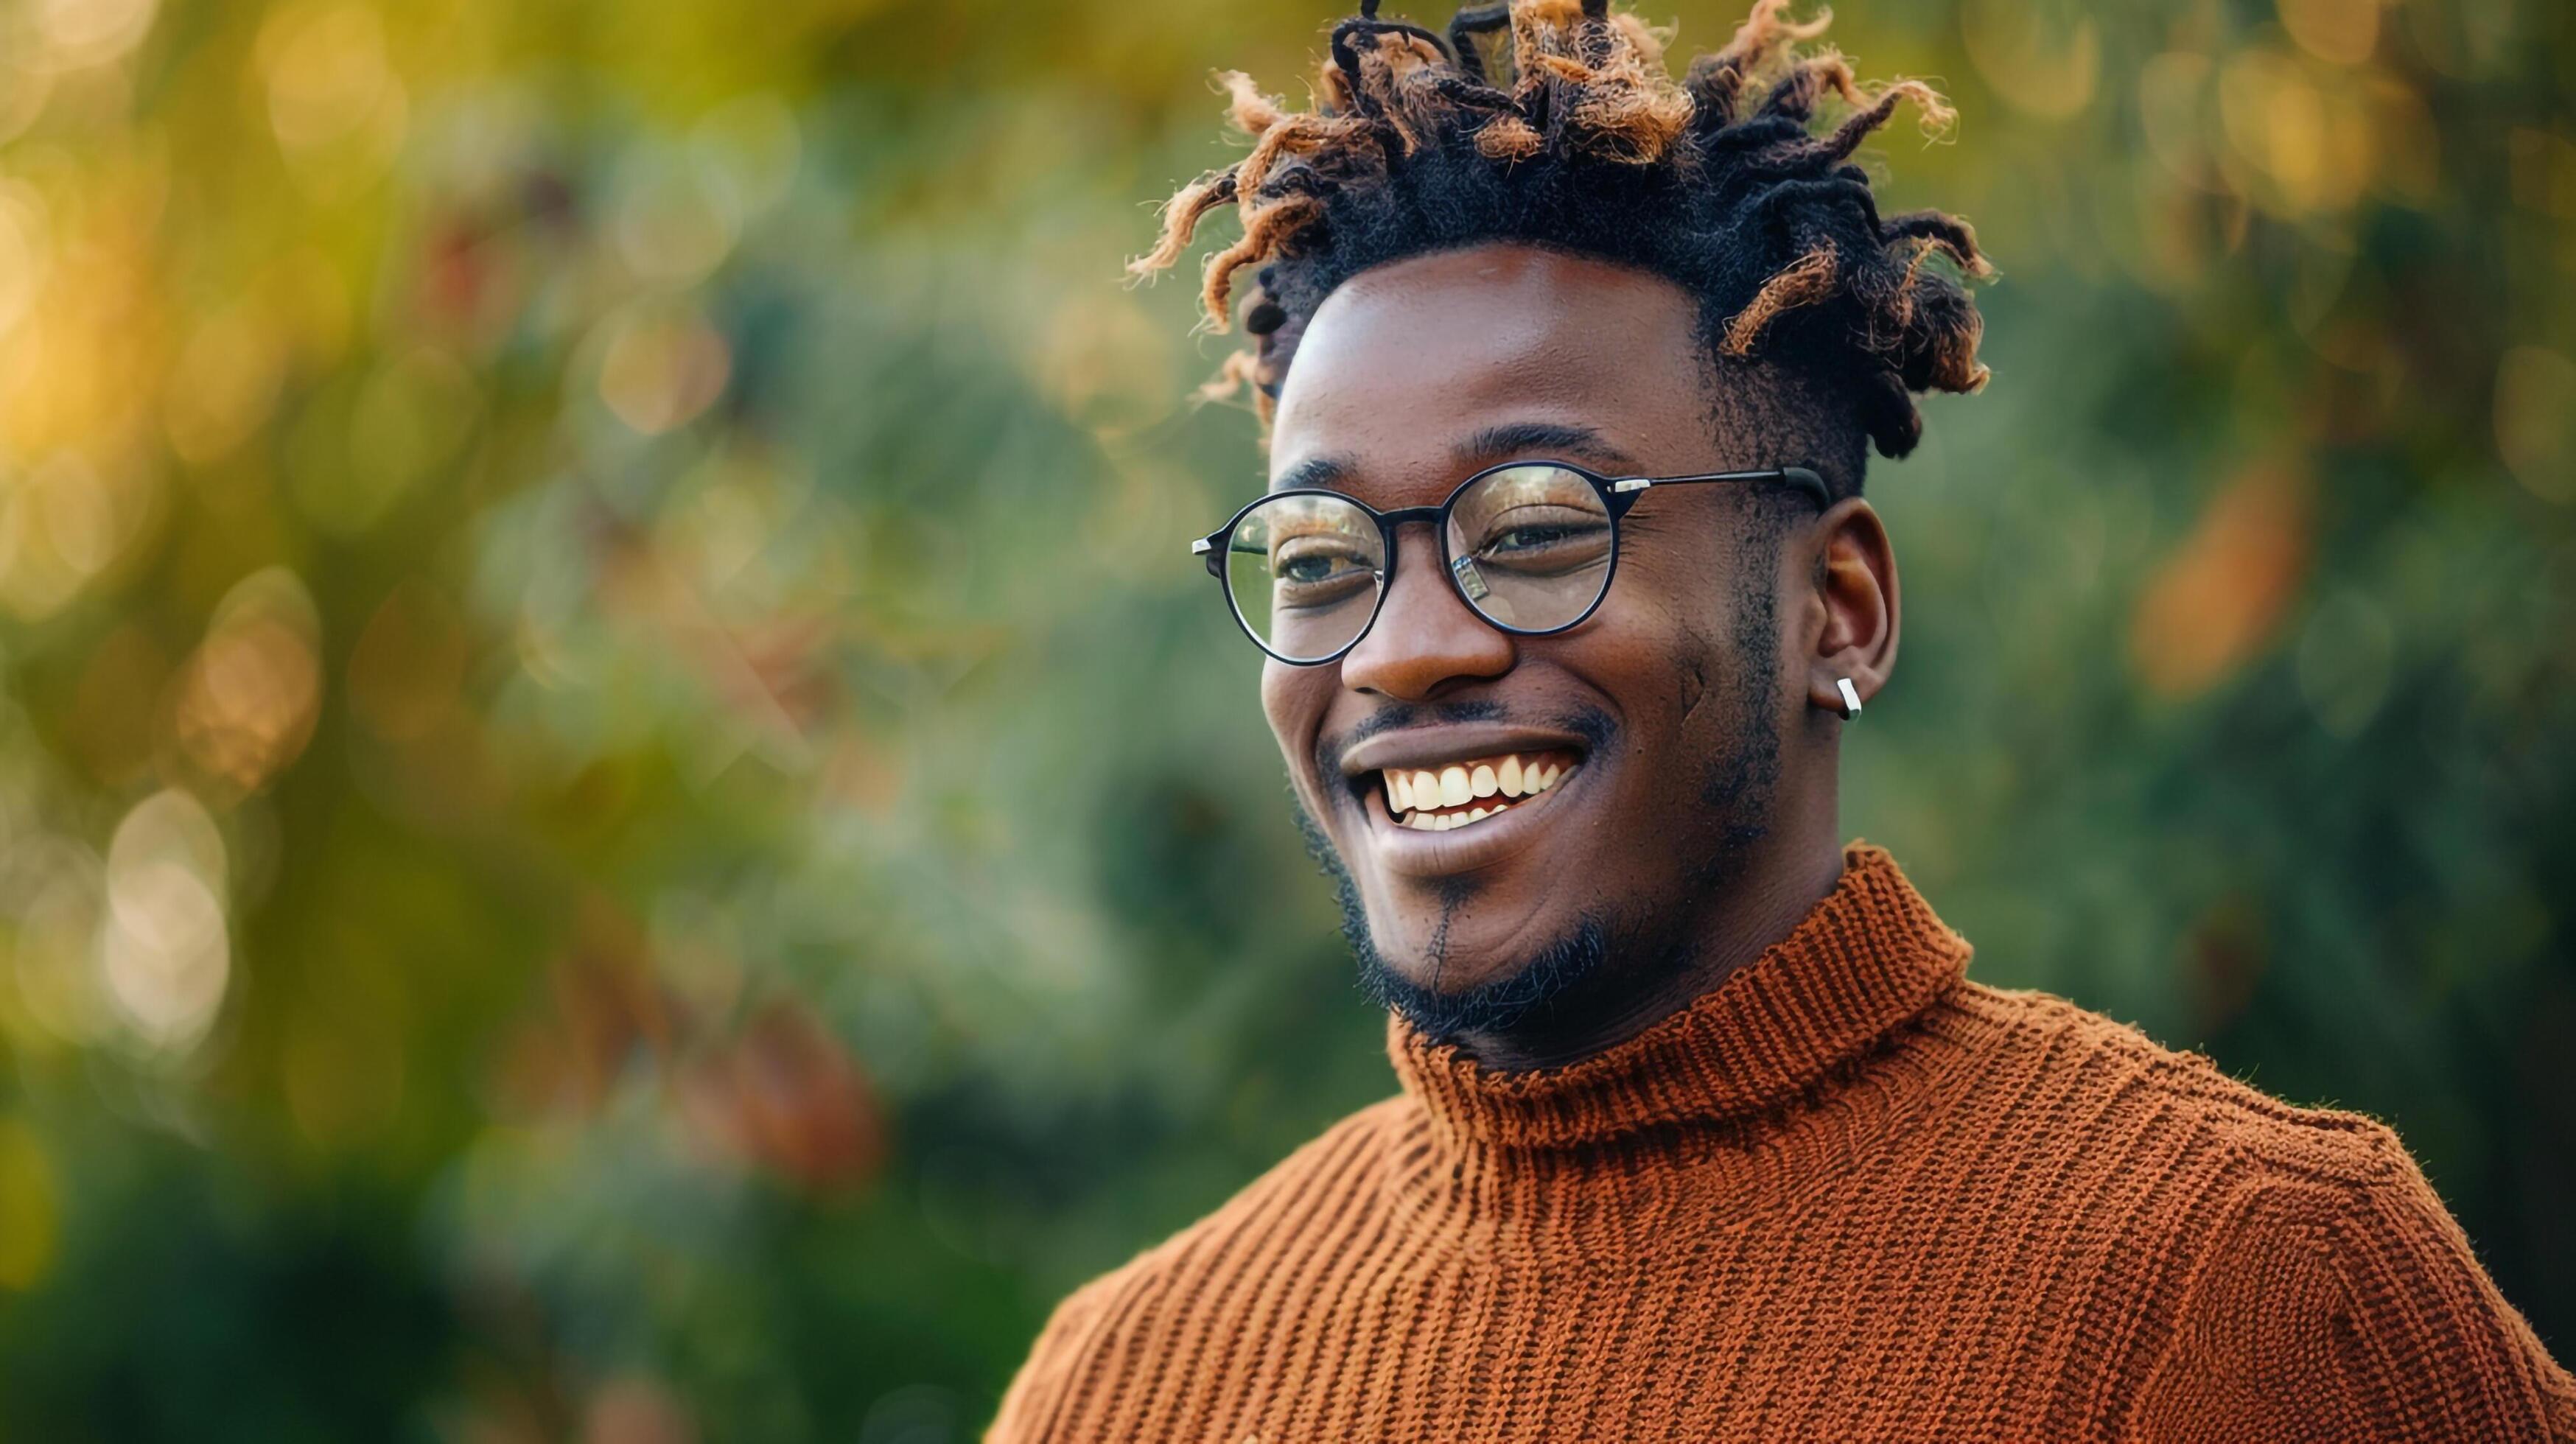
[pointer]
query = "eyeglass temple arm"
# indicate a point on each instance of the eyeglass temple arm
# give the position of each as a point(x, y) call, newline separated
point(1798, 476)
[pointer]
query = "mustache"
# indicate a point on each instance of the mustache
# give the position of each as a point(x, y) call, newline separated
point(1590, 723)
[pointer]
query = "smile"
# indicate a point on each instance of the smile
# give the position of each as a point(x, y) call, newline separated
point(1439, 797)
point(1454, 798)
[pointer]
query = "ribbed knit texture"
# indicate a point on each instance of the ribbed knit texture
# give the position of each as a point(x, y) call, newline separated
point(1846, 1195)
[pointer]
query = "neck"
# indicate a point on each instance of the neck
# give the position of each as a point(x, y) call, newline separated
point(1738, 920)
point(1869, 956)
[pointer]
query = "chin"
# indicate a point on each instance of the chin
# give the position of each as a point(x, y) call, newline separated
point(1471, 942)
point(1444, 1001)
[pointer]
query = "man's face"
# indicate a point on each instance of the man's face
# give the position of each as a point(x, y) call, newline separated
point(1658, 719)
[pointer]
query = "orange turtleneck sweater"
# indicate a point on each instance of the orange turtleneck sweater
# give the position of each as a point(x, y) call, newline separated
point(1847, 1194)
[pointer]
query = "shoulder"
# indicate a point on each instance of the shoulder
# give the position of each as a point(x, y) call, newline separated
point(2039, 1040)
point(2308, 1272)
point(1111, 1323)
point(2311, 1276)
point(2254, 1165)
point(2335, 1287)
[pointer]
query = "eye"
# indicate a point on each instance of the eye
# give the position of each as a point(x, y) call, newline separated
point(1311, 566)
point(1320, 569)
point(1532, 534)
point(1524, 538)
point(1309, 558)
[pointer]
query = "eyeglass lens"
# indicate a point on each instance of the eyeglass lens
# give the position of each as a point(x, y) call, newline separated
point(1529, 547)
point(1302, 572)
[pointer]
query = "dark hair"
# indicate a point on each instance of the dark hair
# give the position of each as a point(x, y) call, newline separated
point(1588, 145)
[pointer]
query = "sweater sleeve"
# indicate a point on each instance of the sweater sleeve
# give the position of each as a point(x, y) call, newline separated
point(2351, 1308)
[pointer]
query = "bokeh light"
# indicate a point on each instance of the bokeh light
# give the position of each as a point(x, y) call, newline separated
point(163, 947)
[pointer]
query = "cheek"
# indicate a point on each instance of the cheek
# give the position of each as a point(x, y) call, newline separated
point(1666, 653)
point(1294, 699)
point(1654, 647)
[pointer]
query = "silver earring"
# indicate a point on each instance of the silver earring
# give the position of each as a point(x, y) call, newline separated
point(1851, 698)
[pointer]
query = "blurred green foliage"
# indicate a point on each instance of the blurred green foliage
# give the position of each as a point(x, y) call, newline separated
point(622, 819)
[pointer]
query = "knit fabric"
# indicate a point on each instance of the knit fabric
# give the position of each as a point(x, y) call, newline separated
point(1848, 1194)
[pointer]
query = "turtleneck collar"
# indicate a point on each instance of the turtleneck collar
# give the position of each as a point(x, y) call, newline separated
point(1870, 956)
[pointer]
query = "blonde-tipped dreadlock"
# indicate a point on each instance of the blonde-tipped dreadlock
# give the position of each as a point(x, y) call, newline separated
point(1587, 143)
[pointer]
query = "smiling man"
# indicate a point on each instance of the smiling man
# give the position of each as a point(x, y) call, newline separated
point(1569, 593)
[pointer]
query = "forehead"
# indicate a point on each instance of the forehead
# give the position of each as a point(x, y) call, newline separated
point(1407, 372)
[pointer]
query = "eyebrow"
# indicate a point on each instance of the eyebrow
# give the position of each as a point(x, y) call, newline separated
point(1539, 438)
point(1316, 473)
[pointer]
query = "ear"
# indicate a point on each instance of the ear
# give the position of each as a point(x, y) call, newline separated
point(1853, 627)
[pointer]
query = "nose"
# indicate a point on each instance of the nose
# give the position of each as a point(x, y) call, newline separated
point(1426, 638)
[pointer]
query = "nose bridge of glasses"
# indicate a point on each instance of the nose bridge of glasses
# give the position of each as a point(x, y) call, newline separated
point(1425, 569)
point(1396, 523)
point(1423, 632)
point(1392, 523)
point(1406, 515)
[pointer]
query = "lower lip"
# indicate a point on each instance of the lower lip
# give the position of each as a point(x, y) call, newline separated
point(1417, 853)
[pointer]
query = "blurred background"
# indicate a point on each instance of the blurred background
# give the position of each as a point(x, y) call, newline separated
point(622, 818)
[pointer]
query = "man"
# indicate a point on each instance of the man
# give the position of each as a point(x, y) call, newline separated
point(1569, 591)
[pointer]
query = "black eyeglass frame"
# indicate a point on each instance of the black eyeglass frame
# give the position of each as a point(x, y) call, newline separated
point(1618, 494)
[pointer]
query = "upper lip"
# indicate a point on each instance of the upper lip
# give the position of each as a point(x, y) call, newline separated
point(1431, 745)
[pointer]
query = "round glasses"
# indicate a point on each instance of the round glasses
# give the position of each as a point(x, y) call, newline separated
point(1530, 546)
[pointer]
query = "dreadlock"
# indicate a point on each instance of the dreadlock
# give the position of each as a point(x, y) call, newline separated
point(1719, 183)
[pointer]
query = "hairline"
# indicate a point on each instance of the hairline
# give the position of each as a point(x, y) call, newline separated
point(1791, 383)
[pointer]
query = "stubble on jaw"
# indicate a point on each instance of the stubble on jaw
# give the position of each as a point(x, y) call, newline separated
point(1544, 979)
point(1739, 783)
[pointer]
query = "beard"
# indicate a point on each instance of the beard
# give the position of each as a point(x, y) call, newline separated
point(1558, 973)
point(1566, 983)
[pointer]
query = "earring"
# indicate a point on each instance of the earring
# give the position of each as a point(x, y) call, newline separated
point(1851, 698)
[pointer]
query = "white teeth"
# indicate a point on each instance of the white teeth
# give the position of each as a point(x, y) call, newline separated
point(1447, 821)
point(1415, 799)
